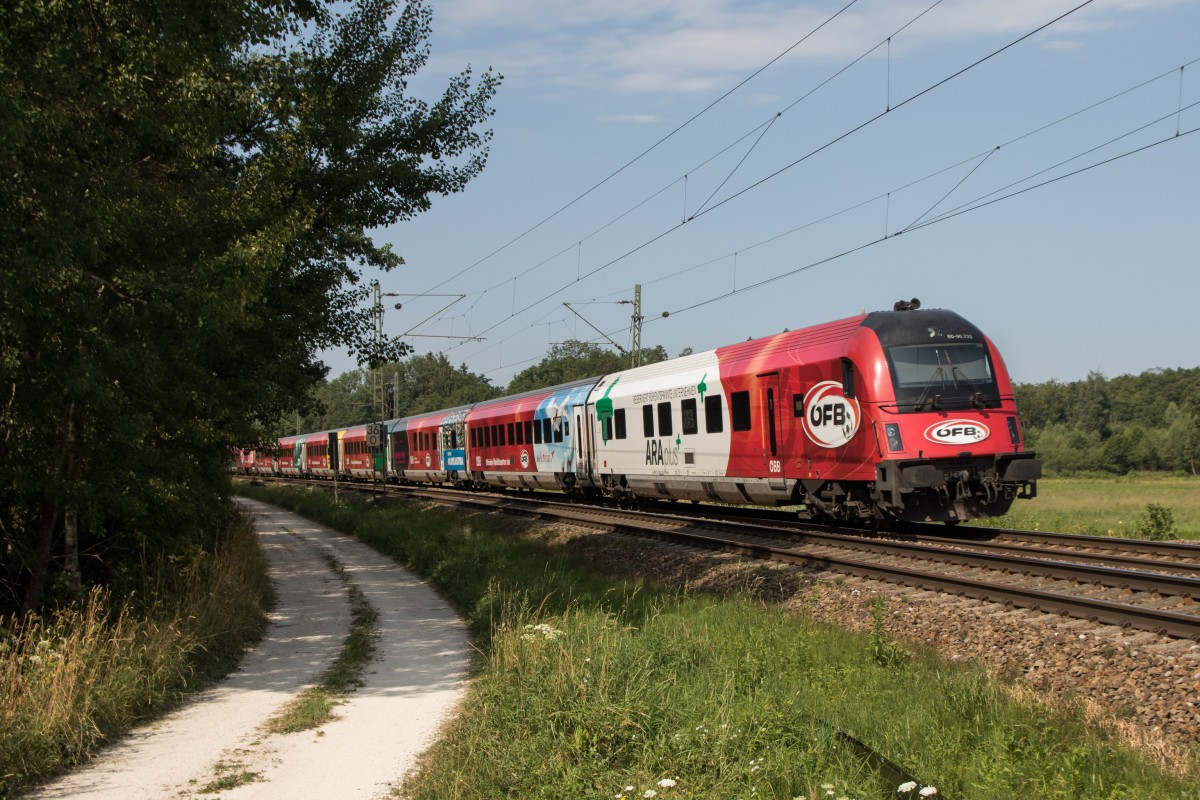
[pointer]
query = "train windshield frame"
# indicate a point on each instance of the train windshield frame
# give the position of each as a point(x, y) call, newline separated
point(943, 375)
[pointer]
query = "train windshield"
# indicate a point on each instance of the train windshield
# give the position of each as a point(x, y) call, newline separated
point(943, 376)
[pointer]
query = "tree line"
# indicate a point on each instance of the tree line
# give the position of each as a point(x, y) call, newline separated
point(430, 382)
point(1117, 425)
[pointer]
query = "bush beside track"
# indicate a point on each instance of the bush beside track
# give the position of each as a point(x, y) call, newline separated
point(588, 685)
point(73, 679)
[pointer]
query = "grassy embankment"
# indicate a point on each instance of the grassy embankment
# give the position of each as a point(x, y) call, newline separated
point(1114, 506)
point(592, 687)
point(72, 679)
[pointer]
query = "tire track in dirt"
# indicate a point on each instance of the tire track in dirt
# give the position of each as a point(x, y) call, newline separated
point(412, 685)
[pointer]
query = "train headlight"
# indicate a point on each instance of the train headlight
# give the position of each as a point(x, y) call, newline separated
point(1014, 432)
point(895, 443)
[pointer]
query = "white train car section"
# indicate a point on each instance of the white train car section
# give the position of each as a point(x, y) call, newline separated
point(658, 431)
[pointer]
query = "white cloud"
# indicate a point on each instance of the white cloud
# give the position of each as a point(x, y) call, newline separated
point(682, 46)
point(1061, 45)
point(640, 119)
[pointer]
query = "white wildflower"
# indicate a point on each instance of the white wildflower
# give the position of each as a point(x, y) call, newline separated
point(649, 793)
point(906, 787)
point(666, 783)
point(629, 788)
point(928, 791)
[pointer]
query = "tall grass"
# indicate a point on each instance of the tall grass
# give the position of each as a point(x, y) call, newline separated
point(594, 687)
point(74, 678)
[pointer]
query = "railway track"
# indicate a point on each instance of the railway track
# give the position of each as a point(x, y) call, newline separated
point(1150, 586)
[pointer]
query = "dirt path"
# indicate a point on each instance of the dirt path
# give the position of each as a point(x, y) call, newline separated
point(412, 686)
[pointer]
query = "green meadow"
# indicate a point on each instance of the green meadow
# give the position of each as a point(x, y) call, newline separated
point(1109, 505)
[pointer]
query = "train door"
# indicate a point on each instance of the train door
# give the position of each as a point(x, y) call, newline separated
point(334, 448)
point(771, 426)
point(399, 441)
point(453, 445)
point(585, 437)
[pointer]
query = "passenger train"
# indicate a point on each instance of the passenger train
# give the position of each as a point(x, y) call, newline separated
point(905, 414)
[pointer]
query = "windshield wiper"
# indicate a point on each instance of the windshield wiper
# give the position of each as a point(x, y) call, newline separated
point(920, 404)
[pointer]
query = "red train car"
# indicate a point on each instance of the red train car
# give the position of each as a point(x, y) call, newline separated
point(435, 446)
point(524, 441)
point(900, 414)
point(358, 460)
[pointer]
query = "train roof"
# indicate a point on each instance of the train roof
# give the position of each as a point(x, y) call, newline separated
point(921, 325)
point(501, 405)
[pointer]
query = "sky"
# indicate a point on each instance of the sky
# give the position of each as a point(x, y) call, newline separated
point(761, 166)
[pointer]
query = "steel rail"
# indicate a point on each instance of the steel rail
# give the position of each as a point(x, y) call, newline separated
point(1133, 580)
point(1136, 562)
point(1169, 623)
point(1189, 549)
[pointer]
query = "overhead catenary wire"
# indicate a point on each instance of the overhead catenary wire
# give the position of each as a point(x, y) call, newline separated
point(649, 149)
point(761, 129)
point(917, 223)
point(666, 232)
point(928, 223)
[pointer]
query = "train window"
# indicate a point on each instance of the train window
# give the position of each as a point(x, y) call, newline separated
point(547, 434)
point(687, 413)
point(512, 439)
point(608, 432)
point(847, 377)
point(566, 427)
point(500, 435)
point(619, 418)
point(798, 406)
point(520, 434)
point(474, 438)
point(414, 441)
point(559, 431)
point(664, 419)
point(739, 410)
point(537, 432)
point(771, 419)
point(648, 421)
point(528, 431)
point(714, 421)
point(486, 433)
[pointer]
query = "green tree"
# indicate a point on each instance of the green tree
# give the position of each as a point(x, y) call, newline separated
point(1092, 407)
point(186, 195)
point(337, 403)
point(574, 360)
point(1067, 448)
point(1182, 439)
point(430, 382)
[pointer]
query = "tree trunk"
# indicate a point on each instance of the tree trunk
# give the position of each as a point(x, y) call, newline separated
point(39, 563)
point(70, 517)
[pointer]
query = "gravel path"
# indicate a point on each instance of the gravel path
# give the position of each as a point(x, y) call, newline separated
point(414, 683)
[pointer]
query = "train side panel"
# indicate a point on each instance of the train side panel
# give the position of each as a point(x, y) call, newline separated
point(663, 430)
point(526, 441)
